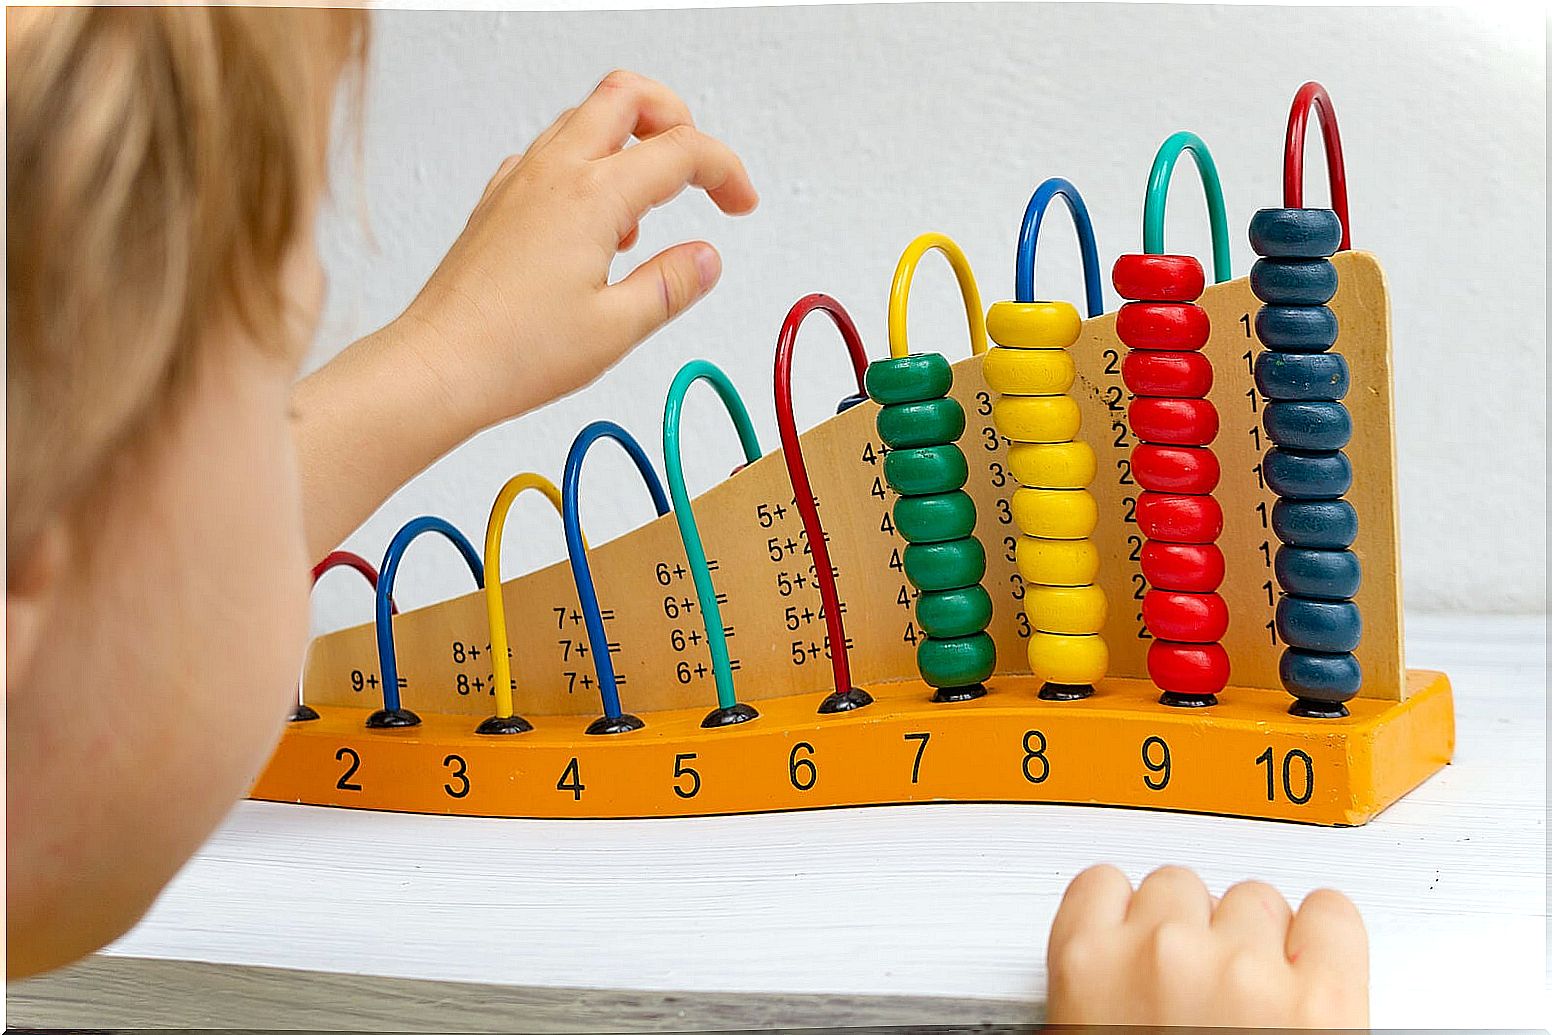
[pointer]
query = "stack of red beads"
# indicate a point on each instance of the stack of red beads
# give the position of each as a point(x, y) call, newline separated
point(1164, 330)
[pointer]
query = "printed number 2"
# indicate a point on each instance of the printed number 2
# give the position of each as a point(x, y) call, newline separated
point(344, 783)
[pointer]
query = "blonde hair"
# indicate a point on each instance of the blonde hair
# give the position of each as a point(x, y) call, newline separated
point(160, 163)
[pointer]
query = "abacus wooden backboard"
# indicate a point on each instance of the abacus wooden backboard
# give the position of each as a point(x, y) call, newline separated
point(1247, 757)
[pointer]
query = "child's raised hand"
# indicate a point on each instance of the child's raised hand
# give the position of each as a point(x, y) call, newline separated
point(521, 310)
point(1169, 954)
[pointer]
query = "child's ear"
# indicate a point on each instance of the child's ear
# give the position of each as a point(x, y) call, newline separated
point(31, 590)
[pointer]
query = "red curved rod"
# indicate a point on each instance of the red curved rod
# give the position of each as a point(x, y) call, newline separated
point(797, 472)
point(1313, 95)
point(346, 559)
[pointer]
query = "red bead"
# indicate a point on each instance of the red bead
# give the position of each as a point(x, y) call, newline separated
point(1188, 668)
point(1179, 519)
point(1158, 278)
point(1182, 567)
point(1177, 326)
point(1177, 422)
point(1188, 469)
point(1185, 617)
point(1178, 375)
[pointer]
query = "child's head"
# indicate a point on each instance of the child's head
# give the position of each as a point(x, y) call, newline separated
point(164, 168)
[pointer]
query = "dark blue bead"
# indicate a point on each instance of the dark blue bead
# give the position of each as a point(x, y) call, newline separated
point(1295, 233)
point(1314, 676)
point(1301, 375)
point(1312, 426)
point(1296, 328)
point(1318, 574)
point(1316, 524)
point(1293, 281)
point(1330, 626)
point(850, 401)
point(1307, 476)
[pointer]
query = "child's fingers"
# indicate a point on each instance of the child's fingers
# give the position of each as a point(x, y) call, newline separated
point(1252, 913)
point(623, 105)
point(1327, 934)
point(550, 132)
point(663, 287)
point(1170, 895)
point(654, 171)
point(629, 240)
point(1096, 899)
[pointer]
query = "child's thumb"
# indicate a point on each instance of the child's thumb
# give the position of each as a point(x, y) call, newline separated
point(665, 286)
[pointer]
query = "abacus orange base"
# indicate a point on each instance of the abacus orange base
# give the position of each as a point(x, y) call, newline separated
point(1244, 757)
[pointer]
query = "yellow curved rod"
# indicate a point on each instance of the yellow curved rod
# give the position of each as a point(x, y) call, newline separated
point(900, 292)
point(495, 606)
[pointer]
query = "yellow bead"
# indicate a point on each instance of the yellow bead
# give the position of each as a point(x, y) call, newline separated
point(1057, 562)
point(1037, 418)
point(1072, 610)
point(1033, 325)
point(1082, 660)
point(1060, 465)
point(1028, 371)
point(1055, 513)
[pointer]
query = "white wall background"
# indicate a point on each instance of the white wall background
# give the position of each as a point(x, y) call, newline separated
point(865, 125)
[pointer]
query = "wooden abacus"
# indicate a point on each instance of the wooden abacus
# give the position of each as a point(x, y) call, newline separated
point(1012, 564)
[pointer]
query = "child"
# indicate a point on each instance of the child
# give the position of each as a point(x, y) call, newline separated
point(168, 484)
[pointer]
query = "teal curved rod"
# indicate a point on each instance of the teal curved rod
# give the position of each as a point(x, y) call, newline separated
point(689, 532)
point(1158, 193)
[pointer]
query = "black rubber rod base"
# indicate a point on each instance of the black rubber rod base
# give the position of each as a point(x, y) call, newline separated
point(503, 725)
point(848, 700)
point(1175, 700)
point(1307, 709)
point(950, 694)
point(392, 719)
point(623, 723)
point(730, 716)
point(1066, 691)
point(302, 713)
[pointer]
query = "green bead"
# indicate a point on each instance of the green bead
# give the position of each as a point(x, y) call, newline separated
point(954, 612)
point(930, 422)
point(932, 519)
point(950, 565)
point(909, 378)
point(925, 470)
point(962, 661)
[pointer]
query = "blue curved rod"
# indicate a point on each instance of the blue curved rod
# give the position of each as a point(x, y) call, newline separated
point(576, 549)
point(387, 660)
point(1029, 234)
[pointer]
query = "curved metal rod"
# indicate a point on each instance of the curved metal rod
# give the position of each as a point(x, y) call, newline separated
point(337, 559)
point(1313, 95)
point(576, 549)
point(1029, 236)
point(797, 470)
point(1158, 194)
point(392, 714)
point(684, 514)
point(495, 605)
point(900, 292)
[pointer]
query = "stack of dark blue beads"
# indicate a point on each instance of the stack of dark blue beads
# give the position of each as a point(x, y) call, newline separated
point(1308, 426)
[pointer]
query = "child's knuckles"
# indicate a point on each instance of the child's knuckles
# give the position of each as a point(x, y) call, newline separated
point(1086, 953)
point(1176, 951)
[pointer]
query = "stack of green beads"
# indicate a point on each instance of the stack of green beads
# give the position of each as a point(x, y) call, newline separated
point(921, 426)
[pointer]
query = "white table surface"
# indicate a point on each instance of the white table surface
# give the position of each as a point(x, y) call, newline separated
point(952, 900)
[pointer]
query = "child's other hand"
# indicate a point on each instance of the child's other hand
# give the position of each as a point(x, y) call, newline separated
point(1169, 954)
point(521, 310)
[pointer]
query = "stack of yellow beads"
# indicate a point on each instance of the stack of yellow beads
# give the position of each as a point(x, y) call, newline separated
point(1031, 370)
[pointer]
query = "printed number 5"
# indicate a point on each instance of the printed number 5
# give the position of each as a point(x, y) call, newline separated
point(681, 770)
